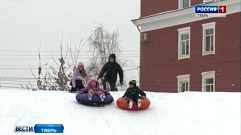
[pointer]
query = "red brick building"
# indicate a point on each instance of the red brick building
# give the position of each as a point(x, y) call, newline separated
point(181, 52)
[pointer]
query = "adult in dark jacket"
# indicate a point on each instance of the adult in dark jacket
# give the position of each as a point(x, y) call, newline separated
point(134, 93)
point(111, 69)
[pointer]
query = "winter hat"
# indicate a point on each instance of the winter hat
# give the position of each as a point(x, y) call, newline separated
point(112, 56)
point(132, 82)
point(81, 64)
point(93, 82)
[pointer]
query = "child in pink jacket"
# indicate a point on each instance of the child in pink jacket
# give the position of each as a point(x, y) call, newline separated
point(93, 88)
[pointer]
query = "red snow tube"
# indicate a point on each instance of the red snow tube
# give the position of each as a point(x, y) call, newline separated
point(122, 103)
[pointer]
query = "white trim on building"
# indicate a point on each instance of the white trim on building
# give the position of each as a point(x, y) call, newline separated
point(208, 1)
point(181, 16)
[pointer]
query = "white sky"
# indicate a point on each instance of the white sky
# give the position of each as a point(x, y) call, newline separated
point(24, 24)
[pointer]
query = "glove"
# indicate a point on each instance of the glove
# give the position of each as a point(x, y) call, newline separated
point(143, 97)
point(81, 92)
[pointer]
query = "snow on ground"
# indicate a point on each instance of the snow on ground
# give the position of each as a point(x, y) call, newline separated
point(189, 113)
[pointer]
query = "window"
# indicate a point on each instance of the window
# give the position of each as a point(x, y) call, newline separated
point(209, 38)
point(209, 84)
point(184, 4)
point(183, 83)
point(184, 43)
point(208, 81)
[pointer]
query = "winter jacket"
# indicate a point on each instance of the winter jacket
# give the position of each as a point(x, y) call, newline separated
point(134, 92)
point(111, 69)
point(87, 88)
point(77, 73)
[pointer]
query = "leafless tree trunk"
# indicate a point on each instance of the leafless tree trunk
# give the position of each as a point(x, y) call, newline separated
point(102, 43)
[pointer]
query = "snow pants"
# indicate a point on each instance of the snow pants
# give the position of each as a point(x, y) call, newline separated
point(95, 92)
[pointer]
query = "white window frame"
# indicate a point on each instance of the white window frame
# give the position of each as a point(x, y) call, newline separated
point(180, 4)
point(207, 75)
point(182, 31)
point(205, 27)
point(182, 79)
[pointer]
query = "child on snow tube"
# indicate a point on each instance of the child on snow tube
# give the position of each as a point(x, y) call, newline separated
point(133, 94)
point(93, 88)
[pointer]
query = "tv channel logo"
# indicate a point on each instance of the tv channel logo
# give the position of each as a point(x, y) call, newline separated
point(210, 9)
point(49, 128)
point(24, 129)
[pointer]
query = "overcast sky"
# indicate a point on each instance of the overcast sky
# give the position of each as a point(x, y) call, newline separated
point(25, 24)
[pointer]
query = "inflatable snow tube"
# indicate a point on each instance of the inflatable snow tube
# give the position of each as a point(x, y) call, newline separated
point(122, 103)
point(82, 98)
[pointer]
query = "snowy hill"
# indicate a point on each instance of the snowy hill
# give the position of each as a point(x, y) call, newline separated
point(190, 113)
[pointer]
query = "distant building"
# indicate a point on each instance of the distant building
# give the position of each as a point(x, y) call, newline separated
point(182, 52)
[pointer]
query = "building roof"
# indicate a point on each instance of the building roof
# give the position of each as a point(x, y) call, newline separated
point(181, 16)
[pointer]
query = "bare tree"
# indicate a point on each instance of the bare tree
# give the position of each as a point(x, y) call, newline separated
point(60, 76)
point(57, 78)
point(74, 54)
point(102, 43)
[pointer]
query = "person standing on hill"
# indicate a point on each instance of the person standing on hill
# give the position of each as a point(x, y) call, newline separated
point(111, 68)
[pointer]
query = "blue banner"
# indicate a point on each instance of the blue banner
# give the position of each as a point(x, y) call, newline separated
point(206, 9)
point(49, 128)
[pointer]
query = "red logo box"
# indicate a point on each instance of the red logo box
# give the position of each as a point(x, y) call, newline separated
point(222, 9)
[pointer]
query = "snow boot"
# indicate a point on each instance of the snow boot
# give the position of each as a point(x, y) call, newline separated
point(102, 97)
point(89, 96)
point(139, 103)
point(72, 90)
point(130, 104)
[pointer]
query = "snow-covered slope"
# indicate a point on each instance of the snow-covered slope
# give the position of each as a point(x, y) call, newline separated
point(189, 113)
